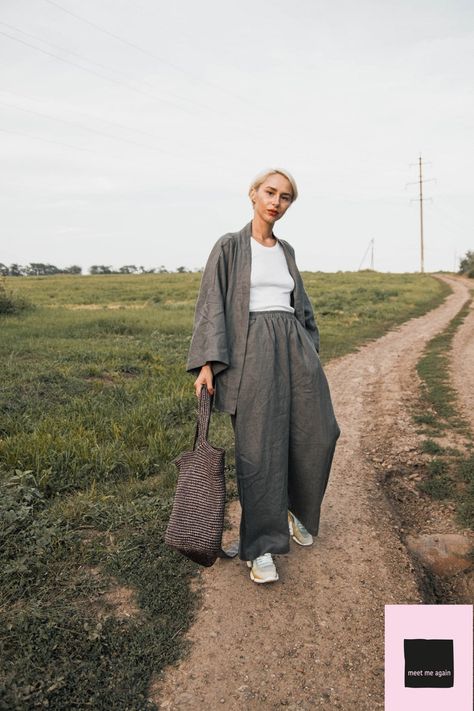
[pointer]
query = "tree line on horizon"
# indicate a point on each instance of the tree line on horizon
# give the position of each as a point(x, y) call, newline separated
point(41, 269)
point(466, 267)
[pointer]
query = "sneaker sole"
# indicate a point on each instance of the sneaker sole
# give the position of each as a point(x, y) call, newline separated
point(300, 543)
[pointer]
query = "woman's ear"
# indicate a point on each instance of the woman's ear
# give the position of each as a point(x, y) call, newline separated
point(252, 196)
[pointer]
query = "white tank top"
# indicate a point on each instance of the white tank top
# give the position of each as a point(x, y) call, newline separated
point(271, 283)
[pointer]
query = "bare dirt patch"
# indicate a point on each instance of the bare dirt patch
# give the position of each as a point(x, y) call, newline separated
point(111, 378)
point(315, 639)
point(115, 600)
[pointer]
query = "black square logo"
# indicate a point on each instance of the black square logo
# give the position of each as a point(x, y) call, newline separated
point(429, 662)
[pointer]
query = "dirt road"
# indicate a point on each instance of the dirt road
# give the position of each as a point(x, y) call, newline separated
point(315, 639)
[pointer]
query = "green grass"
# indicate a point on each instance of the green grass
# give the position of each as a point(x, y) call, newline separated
point(11, 302)
point(449, 474)
point(429, 446)
point(438, 394)
point(95, 404)
point(355, 307)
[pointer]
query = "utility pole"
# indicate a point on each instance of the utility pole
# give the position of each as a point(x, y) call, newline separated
point(421, 200)
point(371, 247)
point(422, 247)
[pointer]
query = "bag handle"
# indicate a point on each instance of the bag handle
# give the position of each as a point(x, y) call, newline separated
point(204, 416)
point(202, 429)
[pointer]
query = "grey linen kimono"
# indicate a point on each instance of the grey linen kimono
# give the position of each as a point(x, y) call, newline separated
point(222, 313)
point(270, 380)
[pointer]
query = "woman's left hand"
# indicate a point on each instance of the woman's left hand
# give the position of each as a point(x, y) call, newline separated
point(205, 377)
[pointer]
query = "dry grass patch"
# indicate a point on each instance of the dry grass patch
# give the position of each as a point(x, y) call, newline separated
point(112, 599)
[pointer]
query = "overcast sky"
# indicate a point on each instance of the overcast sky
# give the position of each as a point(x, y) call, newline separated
point(131, 129)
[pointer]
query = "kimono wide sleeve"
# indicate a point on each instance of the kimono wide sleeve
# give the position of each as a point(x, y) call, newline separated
point(310, 322)
point(209, 337)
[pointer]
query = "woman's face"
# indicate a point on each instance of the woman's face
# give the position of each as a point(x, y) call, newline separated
point(272, 198)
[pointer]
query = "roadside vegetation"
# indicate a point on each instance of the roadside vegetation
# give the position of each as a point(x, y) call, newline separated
point(11, 302)
point(95, 404)
point(466, 265)
point(449, 472)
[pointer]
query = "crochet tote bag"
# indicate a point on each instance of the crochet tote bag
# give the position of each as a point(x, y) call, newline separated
point(197, 517)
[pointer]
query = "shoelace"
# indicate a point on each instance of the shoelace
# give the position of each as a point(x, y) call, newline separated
point(265, 559)
point(299, 525)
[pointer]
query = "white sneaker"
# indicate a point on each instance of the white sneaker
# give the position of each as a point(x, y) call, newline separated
point(298, 532)
point(263, 569)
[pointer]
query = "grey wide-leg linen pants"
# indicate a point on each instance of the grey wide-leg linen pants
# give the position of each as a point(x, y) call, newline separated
point(285, 433)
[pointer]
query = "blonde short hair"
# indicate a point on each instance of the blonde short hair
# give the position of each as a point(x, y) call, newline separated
point(261, 177)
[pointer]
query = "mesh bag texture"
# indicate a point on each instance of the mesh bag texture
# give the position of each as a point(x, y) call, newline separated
point(197, 517)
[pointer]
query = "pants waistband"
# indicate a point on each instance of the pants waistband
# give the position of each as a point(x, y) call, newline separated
point(272, 314)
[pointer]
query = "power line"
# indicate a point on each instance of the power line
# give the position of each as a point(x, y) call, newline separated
point(92, 130)
point(102, 76)
point(116, 37)
point(87, 128)
point(91, 71)
point(453, 217)
point(47, 140)
point(88, 116)
point(107, 68)
point(125, 41)
point(55, 46)
point(76, 148)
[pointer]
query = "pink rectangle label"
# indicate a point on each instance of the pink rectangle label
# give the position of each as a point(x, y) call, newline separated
point(428, 657)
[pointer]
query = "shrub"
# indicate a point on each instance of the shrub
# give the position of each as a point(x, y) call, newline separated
point(466, 264)
point(12, 302)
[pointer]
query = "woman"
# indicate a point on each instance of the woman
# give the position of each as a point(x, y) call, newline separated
point(255, 346)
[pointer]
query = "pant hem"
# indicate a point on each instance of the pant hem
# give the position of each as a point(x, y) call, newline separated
point(273, 552)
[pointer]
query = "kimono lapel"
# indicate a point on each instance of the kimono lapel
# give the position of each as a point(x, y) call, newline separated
point(296, 294)
point(245, 264)
point(222, 315)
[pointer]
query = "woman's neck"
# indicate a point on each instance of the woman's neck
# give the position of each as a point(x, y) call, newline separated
point(262, 231)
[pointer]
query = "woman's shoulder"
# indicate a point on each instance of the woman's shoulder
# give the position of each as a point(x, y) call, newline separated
point(229, 241)
point(222, 250)
point(287, 245)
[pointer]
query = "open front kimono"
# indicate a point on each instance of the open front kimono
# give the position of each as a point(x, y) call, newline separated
point(222, 313)
point(268, 377)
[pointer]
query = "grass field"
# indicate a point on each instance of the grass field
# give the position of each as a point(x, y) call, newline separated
point(94, 405)
point(450, 472)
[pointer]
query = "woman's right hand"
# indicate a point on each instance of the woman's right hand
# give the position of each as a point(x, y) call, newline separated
point(205, 377)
